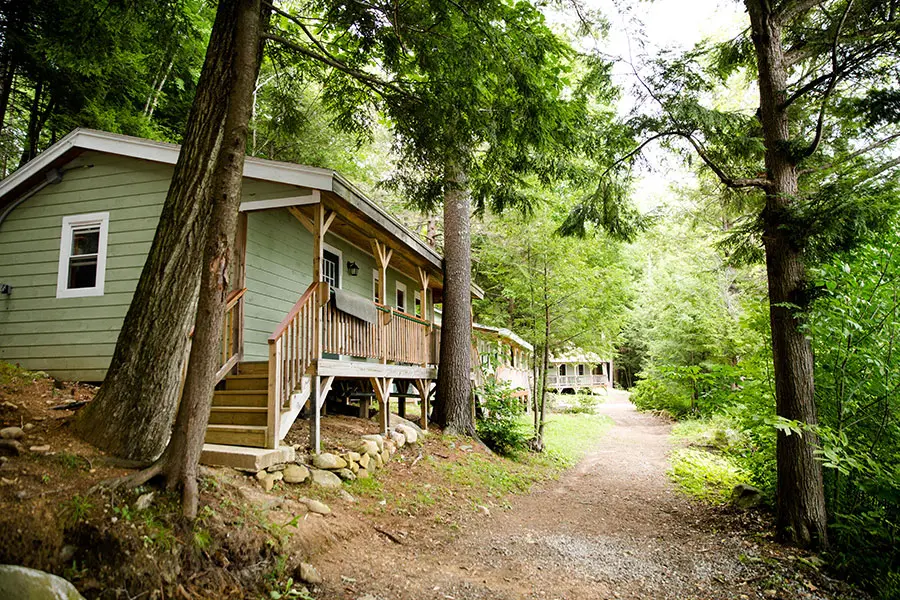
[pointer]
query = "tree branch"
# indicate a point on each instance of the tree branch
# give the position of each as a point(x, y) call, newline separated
point(789, 11)
point(379, 85)
point(835, 69)
point(851, 156)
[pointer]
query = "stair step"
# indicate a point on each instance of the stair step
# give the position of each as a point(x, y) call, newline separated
point(239, 415)
point(256, 398)
point(250, 381)
point(237, 435)
point(253, 368)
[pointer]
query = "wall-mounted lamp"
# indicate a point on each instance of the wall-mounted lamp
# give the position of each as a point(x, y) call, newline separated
point(352, 268)
point(5, 289)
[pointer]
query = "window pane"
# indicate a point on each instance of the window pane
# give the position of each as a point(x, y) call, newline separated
point(86, 240)
point(330, 268)
point(401, 301)
point(82, 272)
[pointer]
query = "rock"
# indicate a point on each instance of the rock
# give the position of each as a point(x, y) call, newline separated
point(353, 457)
point(385, 456)
point(745, 496)
point(346, 474)
point(325, 478)
point(144, 501)
point(329, 461)
point(397, 420)
point(378, 461)
point(484, 510)
point(295, 473)
point(3, 459)
point(362, 474)
point(408, 432)
point(9, 405)
point(466, 448)
point(379, 440)
point(390, 447)
point(346, 496)
point(28, 426)
point(317, 507)
point(398, 438)
point(40, 449)
point(353, 466)
point(261, 474)
point(368, 447)
point(11, 447)
point(30, 584)
point(67, 553)
point(278, 467)
point(364, 461)
point(308, 574)
point(12, 433)
point(269, 479)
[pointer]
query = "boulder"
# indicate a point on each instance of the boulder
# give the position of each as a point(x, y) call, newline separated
point(408, 432)
point(329, 461)
point(353, 466)
point(346, 474)
point(317, 507)
point(398, 438)
point(362, 474)
point(379, 440)
point(325, 478)
point(353, 457)
point(268, 480)
point(273, 468)
point(308, 574)
point(12, 433)
point(347, 496)
point(44, 449)
point(379, 462)
point(385, 456)
point(364, 461)
point(368, 447)
point(144, 501)
point(745, 496)
point(11, 447)
point(397, 420)
point(30, 584)
point(294, 473)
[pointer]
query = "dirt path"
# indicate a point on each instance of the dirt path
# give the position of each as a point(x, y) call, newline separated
point(613, 527)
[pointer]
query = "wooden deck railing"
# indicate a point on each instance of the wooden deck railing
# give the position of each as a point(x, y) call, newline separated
point(230, 344)
point(576, 380)
point(347, 335)
point(406, 337)
point(292, 349)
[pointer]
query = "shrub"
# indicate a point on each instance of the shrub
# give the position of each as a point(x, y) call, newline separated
point(499, 426)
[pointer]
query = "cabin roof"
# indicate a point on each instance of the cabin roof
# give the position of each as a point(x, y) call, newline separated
point(578, 356)
point(504, 333)
point(81, 140)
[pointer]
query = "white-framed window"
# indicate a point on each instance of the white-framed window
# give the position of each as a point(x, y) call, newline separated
point(580, 370)
point(418, 304)
point(376, 285)
point(562, 370)
point(332, 263)
point(82, 255)
point(401, 296)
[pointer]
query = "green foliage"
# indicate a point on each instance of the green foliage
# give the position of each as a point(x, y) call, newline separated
point(706, 475)
point(499, 426)
point(585, 404)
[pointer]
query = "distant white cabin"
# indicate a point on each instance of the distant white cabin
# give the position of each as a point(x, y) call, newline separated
point(579, 370)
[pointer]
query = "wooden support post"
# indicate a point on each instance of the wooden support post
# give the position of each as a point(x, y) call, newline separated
point(423, 293)
point(382, 388)
point(422, 386)
point(383, 259)
point(315, 435)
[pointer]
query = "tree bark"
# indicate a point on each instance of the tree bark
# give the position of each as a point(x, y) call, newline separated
point(452, 410)
point(801, 516)
point(132, 415)
point(183, 452)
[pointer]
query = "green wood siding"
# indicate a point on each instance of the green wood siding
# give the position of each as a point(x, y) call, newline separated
point(73, 338)
point(279, 270)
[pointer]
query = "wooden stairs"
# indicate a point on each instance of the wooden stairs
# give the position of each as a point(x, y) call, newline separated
point(240, 412)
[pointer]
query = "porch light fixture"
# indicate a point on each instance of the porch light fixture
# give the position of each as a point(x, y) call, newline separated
point(352, 268)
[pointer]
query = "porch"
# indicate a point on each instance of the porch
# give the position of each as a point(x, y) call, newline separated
point(319, 345)
point(576, 382)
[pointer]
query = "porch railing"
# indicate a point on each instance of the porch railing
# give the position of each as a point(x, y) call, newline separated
point(406, 337)
point(292, 349)
point(347, 335)
point(230, 344)
point(576, 380)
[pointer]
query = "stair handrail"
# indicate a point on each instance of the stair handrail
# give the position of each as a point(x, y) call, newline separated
point(279, 331)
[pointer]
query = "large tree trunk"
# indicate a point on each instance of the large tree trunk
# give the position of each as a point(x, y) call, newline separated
point(183, 453)
point(132, 414)
point(801, 516)
point(452, 410)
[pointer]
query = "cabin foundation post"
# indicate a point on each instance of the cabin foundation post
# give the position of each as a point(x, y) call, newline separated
point(422, 386)
point(382, 387)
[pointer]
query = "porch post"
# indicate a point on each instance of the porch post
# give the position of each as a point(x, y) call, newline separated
point(383, 258)
point(321, 222)
point(423, 294)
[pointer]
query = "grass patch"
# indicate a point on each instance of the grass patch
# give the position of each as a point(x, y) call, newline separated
point(569, 437)
point(705, 475)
